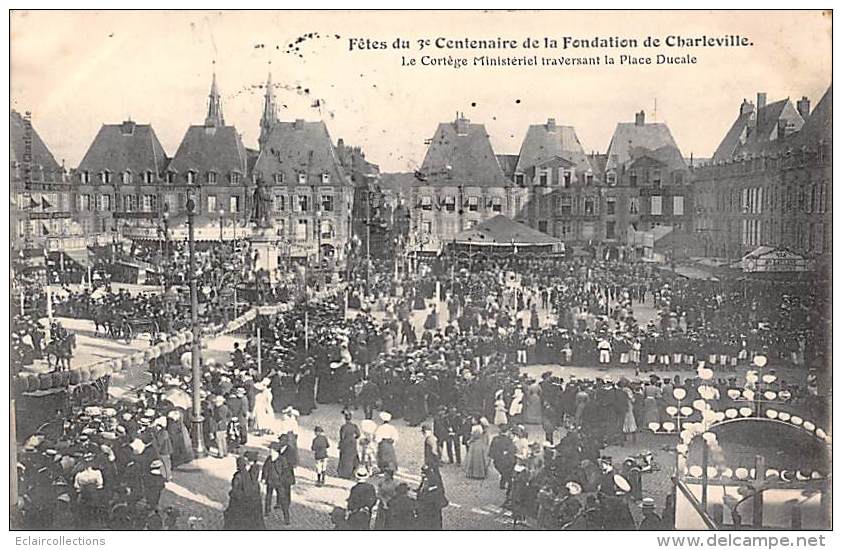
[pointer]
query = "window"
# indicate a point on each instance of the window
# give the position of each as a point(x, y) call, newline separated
point(566, 205)
point(234, 203)
point(566, 229)
point(473, 204)
point(129, 203)
point(543, 178)
point(519, 179)
point(83, 203)
point(633, 178)
point(302, 177)
point(427, 228)
point(126, 177)
point(327, 203)
point(678, 206)
point(85, 177)
point(450, 203)
point(303, 203)
point(211, 203)
point(148, 177)
point(150, 202)
point(634, 205)
point(325, 177)
point(279, 203)
point(542, 226)
point(301, 230)
point(589, 206)
point(326, 229)
point(497, 204)
point(211, 177)
point(279, 178)
point(610, 230)
point(170, 177)
point(611, 178)
point(678, 178)
point(426, 202)
point(589, 179)
point(235, 178)
point(656, 177)
point(656, 205)
point(610, 206)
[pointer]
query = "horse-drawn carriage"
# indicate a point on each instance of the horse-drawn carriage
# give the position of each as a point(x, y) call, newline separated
point(121, 326)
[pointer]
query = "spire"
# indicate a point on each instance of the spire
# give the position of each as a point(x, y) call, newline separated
point(270, 111)
point(214, 117)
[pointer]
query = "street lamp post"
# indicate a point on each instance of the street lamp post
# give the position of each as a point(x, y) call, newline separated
point(198, 444)
point(221, 212)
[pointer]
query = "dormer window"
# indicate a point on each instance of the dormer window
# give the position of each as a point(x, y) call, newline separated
point(519, 179)
point(279, 177)
point(105, 176)
point(149, 177)
point(211, 177)
point(126, 177)
point(302, 177)
point(611, 178)
point(235, 177)
point(543, 178)
point(325, 177)
point(589, 178)
point(85, 177)
point(567, 178)
point(170, 177)
point(656, 177)
point(633, 178)
point(191, 177)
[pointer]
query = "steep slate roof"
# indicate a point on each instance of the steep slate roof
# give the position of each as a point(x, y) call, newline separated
point(41, 155)
point(503, 231)
point(667, 155)
point(627, 135)
point(508, 164)
point(546, 141)
point(819, 124)
point(298, 146)
point(210, 149)
point(462, 159)
point(400, 182)
point(118, 147)
point(745, 135)
point(598, 162)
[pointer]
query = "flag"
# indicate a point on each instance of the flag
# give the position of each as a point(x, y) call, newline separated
point(44, 229)
point(44, 204)
point(32, 202)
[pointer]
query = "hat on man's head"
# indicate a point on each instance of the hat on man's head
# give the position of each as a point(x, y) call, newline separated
point(385, 416)
point(648, 503)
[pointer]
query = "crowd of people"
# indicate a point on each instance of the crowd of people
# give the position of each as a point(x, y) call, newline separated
point(459, 377)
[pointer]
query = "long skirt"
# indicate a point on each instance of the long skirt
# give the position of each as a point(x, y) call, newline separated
point(387, 458)
point(348, 462)
point(476, 461)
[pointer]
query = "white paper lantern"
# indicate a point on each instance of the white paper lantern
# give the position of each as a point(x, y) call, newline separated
point(809, 426)
point(720, 416)
point(769, 378)
point(759, 360)
point(672, 411)
point(712, 471)
point(727, 472)
point(771, 472)
point(686, 411)
point(696, 470)
point(751, 377)
point(785, 416)
point(679, 393)
point(733, 393)
point(748, 394)
point(731, 413)
point(820, 433)
point(699, 404)
point(745, 411)
point(654, 426)
point(709, 437)
point(669, 427)
point(682, 448)
point(741, 473)
point(797, 420)
point(706, 374)
point(772, 413)
point(769, 395)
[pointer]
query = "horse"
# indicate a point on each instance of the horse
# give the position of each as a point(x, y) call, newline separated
point(62, 350)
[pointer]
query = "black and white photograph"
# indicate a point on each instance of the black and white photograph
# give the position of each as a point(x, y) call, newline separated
point(375, 270)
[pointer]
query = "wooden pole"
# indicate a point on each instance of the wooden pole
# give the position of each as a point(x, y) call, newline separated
point(757, 510)
point(705, 453)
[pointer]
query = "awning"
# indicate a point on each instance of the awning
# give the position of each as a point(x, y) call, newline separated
point(81, 257)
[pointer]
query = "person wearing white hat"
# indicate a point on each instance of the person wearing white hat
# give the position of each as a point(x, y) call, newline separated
point(386, 436)
point(361, 502)
point(263, 413)
point(651, 520)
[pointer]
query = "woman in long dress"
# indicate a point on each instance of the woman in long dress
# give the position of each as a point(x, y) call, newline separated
point(476, 461)
point(532, 414)
point(629, 424)
point(348, 457)
point(264, 415)
point(500, 418)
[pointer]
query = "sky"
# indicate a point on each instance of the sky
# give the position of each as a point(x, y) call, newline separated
point(78, 70)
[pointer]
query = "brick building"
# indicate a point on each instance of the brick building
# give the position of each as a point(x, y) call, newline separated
point(769, 182)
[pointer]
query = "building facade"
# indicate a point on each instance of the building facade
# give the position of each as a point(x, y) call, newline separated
point(770, 182)
point(460, 184)
point(40, 192)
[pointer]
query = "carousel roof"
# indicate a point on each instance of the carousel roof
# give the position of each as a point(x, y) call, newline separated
point(502, 231)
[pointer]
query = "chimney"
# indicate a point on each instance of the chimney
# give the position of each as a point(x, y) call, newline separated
point(462, 125)
point(127, 127)
point(551, 125)
point(298, 124)
point(746, 107)
point(340, 143)
point(803, 107)
point(781, 128)
point(640, 118)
